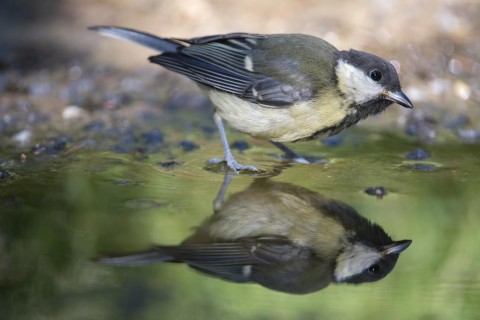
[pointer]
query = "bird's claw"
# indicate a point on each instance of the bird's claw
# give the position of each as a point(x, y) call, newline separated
point(235, 166)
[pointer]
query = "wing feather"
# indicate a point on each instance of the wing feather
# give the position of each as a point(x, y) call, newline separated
point(220, 62)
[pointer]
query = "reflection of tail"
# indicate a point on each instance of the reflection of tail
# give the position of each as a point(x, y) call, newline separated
point(142, 38)
point(156, 255)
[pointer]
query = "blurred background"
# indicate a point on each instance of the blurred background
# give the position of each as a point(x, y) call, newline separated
point(101, 151)
point(46, 50)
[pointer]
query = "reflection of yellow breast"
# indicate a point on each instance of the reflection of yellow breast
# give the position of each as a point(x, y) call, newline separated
point(280, 124)
point(278, 213)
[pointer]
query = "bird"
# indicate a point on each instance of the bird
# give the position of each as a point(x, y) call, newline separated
point(279, 87)
point(282, 236)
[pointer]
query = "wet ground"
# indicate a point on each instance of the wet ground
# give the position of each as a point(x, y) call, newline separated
point(102, 155)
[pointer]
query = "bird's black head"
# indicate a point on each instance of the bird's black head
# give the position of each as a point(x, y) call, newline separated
point(368, 81)
point(363, 263)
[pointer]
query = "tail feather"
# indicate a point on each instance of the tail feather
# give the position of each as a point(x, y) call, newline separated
point(137, 259)
point(142, 38)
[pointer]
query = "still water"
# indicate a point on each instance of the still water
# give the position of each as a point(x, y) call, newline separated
point(60, 214)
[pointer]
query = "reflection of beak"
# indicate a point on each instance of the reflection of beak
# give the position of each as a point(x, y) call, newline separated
point(398, 97)
point(396, 247)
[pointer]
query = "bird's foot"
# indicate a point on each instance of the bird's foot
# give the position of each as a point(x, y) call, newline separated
point(233, 164)
point(236, 167)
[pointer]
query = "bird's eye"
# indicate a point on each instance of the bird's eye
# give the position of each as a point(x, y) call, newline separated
point(374, 269)
point(376, 75)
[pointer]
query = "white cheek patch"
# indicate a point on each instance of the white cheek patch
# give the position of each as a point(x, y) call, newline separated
point(353, 261)
point(355, 84)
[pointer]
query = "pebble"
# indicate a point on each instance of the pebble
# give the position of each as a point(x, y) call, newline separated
point(188, 146)
point(379, 192)
point(169, 164)
point(73, 113)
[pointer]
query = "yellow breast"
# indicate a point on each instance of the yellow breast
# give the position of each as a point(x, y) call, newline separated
point(298, 121)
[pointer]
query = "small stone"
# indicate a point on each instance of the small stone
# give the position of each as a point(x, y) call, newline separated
point(73, 113)
point(462, 90)
point(169, 164)
point(379, 192)
point(188, 146)
point(417, 154)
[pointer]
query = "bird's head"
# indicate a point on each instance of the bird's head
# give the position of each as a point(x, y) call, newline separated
point(360, 262)
point(367, 80)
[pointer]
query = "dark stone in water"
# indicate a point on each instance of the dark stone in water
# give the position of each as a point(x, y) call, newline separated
point(188, 146)
point(240, 145)
point(379, 192)
point(169, 164)
point(417, 154)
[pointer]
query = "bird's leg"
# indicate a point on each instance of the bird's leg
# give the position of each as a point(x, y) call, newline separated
point(289, 153)
point(221, 193)
point(228, 155)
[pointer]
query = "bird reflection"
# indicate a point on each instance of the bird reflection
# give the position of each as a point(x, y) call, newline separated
point(283, 237)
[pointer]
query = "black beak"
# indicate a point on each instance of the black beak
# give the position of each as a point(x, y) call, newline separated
point(398, 97)
point(397, 247)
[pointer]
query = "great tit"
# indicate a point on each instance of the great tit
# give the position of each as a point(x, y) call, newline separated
point(283, 237)
point(280, 87)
